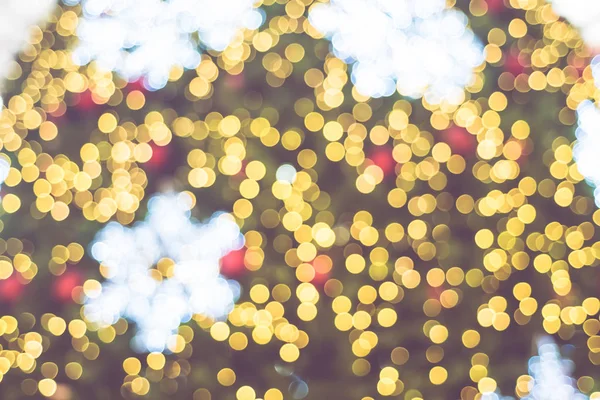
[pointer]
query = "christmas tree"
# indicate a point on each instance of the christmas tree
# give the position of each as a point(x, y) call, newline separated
point(405, 175)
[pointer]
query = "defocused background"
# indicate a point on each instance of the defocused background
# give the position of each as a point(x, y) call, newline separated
point(354, 199)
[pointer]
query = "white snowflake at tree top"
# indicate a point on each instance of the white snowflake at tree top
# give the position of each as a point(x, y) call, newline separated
point(4, 169)
point(147, 38)
point(587, 147)
point(584, 15)
point(418, 47)
point(138, 292)
point(16, 19)
point(551, 374)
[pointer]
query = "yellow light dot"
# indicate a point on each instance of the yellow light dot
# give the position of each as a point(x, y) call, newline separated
point(48, 131)
point(487, 385)
point(245, 393)
point(60, 211)
point(107, 123)
point(438, 334)
point(229, 126)
point(471, 338)
point(517, 28)
point(438, 375)
point(273, 394)
point(135, 100)
point(226, 377)
point(289, 352)
point(156, 361)
point(484, 238)
point(220, 331)
point(132, 366)
point(47, 387)
point(11, 203)
point(314, 121)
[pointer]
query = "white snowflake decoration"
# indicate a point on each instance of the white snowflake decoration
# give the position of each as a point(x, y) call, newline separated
point(584, 15)
point(4, 168)
point(194, 287)
point(587, 147)
point(551, 375)
point(16, 19)
point(418, 47)
point(147, 38)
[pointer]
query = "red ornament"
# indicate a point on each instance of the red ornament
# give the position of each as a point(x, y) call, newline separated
point(460, 140)
point(11, 289)
point(160, 155)
point(137, 85)
point(232, 264)
point(235, 82)
point(320, 278)
point(382, 157)
point(63, 286)
point(58, 112)
point(514, 64)
point(434, 292)
point(322, 265)
point(495, 6)
point(242, 172)
point(85, 101)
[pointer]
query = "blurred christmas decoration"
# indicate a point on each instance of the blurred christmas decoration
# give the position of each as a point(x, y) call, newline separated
point(550, 374)
point(419, 47)
point(393, 246)
point(588, 145)
point(16, 19)
point(149, 38)
point(186, 280)
point(584, 15)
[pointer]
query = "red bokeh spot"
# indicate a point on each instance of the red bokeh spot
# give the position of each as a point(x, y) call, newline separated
point(137, 85)
point(513, 64)
point(495, 6)
point(160, 155)
point(85, 101)
point(382, 157)
point(322, 265)
point(235, 81)
point(11, 289)
point(63, 286)
point(434, 292)
point(460, 140)
point(232, 264)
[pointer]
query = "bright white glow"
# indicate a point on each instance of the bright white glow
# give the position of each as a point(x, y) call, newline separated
point(16, 19)
point(551, 374)
point(587, 147)
point(147, 38)
point(4, 168)
point(286, 173)
point(417, 47)
point(584, 15)
point(194, 285)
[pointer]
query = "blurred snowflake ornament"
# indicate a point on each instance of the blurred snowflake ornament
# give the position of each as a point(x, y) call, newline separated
point(551, 374)
point(584, 15)
point(148, 38)
point(418, 47)
point(186, 280)
point(16, 20)
point(587, 147)
point(4, 170)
